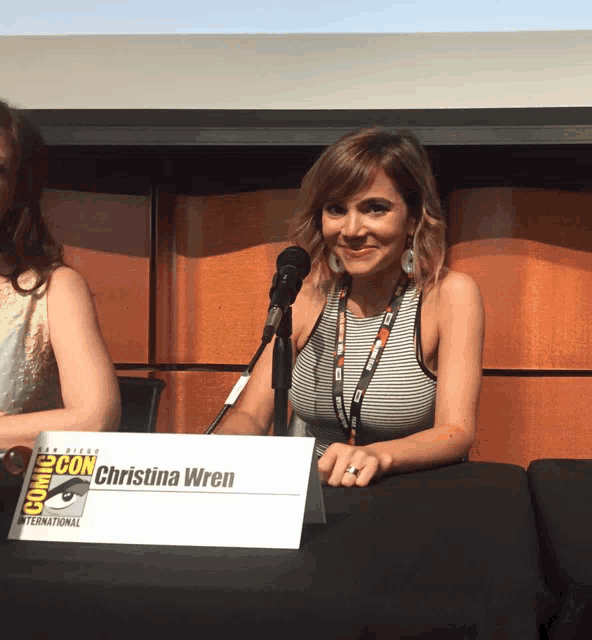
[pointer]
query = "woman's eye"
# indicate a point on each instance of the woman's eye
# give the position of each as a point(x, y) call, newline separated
point(334, 209)
point(377, 208)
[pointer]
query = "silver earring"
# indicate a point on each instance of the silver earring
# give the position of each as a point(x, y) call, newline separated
point(335, 264)
point(408, 261)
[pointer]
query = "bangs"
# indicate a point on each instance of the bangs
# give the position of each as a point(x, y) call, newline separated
point(338, 179)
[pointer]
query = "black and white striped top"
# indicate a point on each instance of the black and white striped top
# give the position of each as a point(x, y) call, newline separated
point(401, 397)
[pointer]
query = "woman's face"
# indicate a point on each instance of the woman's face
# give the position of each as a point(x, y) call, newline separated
point(368, 233)
point(7, 172)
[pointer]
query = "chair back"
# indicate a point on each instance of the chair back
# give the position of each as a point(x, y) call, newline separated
point(139, 403)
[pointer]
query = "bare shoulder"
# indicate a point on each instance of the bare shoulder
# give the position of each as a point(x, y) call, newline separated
point(458, 288)
point(306, 310)
point(67, 282)
point(310, 301)
point(453, 288)
point(311, 294)
point(68, 291)
point(459, 304)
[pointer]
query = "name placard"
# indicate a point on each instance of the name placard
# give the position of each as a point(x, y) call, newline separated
point(169, 489)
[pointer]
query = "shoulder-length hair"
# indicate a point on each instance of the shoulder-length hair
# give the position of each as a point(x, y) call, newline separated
point(25, 240)
point(347, 168)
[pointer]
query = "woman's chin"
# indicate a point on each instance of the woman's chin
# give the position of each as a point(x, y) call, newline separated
point(359, 269)
point(372, 273)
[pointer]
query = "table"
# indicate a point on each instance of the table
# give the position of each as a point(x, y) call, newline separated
point(448, 553)
point(562, 497)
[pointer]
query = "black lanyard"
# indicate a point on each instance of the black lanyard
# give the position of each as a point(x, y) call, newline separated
point(388, 320)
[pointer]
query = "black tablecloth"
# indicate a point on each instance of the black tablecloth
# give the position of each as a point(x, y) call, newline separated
point(562, 497)
point(445, 553)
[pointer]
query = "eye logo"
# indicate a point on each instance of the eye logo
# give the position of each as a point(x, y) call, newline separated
point(67, 498)
point(59, 485)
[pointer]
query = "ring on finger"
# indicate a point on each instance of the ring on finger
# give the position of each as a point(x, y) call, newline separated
point(353, 470)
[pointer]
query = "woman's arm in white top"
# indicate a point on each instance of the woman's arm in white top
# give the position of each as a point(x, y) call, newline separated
point(88, 380)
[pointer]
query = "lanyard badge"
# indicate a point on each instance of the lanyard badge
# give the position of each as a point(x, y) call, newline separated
point(388, 320)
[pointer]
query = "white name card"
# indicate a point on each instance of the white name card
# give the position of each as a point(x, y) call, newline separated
point(169, 489)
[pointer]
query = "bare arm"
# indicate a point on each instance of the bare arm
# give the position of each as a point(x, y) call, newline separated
point(253, 413)
point(88, 381)
point(461, 329)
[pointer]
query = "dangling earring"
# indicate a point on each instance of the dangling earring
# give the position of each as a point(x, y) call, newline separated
point(408, 257)
point(335, 264)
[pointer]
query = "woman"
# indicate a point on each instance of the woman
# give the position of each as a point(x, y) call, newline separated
point(402, 393)
point(55, 372)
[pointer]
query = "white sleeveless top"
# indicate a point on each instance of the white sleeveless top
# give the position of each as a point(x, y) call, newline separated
point(401, 397)
point(29, 376)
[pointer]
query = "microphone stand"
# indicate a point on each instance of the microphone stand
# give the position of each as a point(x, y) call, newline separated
point(238, 387)
point(281, 376)
point(293, 265)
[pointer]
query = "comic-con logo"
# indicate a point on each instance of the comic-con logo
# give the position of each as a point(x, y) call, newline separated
point(59, 485)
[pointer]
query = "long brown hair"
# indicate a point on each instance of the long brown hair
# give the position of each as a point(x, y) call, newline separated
point(25, 240)
point(347, 167)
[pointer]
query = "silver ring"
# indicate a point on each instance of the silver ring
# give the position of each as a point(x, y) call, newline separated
point(353, 470)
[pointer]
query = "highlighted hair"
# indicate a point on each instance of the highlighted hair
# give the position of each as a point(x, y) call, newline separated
point(347, 168)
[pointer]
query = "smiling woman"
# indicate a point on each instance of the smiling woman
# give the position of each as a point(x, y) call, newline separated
point(55, 372)
point(367, 235)
point(389, 342)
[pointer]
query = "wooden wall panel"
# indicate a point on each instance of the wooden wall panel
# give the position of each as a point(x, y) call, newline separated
point(134, 373)
point(530, 250)
point(520, 418)
point(525, 418)
point(107, 239)
point(192, 399)
point(223, 260)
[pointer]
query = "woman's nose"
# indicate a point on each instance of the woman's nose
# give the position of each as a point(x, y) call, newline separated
point(353, 224)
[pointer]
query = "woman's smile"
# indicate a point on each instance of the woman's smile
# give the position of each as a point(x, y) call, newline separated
point(361, 252)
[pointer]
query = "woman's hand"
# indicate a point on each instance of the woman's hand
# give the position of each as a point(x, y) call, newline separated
point(339, 457)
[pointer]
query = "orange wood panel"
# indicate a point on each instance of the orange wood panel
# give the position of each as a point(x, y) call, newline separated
point(192, 399)
point(214, 279)
point(530, 251)
point(135, 373)
point(107, 239)
point(525, 418)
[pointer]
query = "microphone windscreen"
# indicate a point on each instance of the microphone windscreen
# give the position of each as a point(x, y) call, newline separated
point(295, 257)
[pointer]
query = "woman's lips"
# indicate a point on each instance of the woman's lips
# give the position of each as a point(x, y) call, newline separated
point(357, 253)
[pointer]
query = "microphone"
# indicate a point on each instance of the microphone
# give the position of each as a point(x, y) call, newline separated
point(293, 265)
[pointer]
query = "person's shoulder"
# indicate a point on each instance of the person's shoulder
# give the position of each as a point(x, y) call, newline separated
point(307, 307)
point(452, 290)
point(310, 300)
point(456, 286)
point(64, 276)
point(66, 283)
point(312, 293)
point(457, 299)
point(59, 278)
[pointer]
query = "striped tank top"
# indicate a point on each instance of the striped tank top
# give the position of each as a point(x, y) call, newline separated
point(401, 397)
